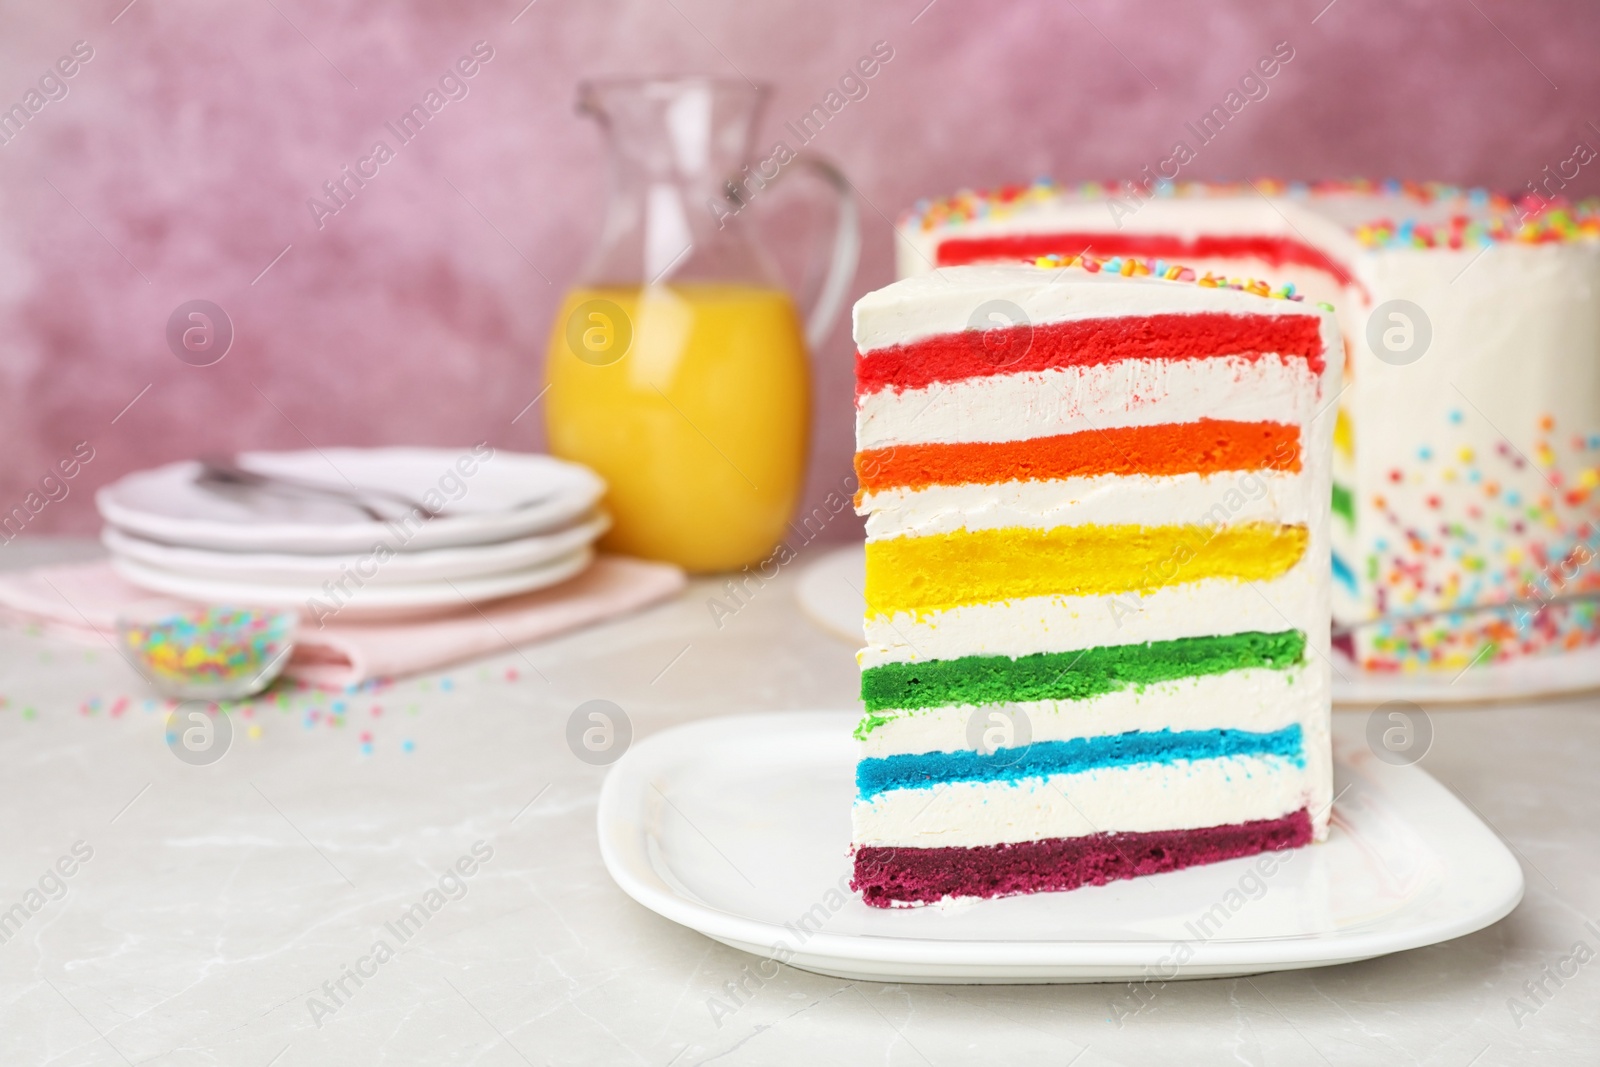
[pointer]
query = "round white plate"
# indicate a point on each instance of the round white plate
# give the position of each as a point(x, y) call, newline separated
point(401, 568)
point(1533, 678)
point(830, 594)
point(740, 828)
point(366, 602)
point(507, 495)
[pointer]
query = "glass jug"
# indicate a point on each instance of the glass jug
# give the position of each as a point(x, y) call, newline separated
point(677, 366)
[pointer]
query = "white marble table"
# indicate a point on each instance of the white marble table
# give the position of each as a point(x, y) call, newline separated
point(219, 899)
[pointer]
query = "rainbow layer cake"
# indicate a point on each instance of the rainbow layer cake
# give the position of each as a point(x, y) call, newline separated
point(1467, 461)
point(1098, 581)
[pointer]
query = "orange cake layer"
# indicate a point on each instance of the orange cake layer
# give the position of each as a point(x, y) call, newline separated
point(1208, 446)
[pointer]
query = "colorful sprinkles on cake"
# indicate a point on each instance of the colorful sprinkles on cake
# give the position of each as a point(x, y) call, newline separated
point(1484, 218)
point(1483, 540)
point(1134, 267)
point(1574, 222)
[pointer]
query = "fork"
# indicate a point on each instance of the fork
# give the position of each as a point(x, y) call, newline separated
point(216, 471)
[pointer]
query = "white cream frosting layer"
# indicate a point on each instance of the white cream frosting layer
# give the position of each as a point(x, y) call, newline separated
point(1184, 795)
point(1258, 699)
point(1514, 331)
point(946, 301)
point(1130, 392)
point(1182, 499)
point(1030, 625)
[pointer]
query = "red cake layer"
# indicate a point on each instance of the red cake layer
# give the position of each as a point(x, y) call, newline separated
point(888, 876)
point(1277, 251)
point(1087, 342)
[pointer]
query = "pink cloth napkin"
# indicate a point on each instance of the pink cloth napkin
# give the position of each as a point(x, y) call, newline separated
point(81, 602)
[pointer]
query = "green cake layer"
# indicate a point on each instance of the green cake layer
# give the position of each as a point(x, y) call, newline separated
point(1076, 675)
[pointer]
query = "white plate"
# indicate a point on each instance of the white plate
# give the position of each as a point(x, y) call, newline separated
point(401, 568)
point(508, 495)
point(1531, 678)
point(829, 592)
point(740, 827)
point(367, 602)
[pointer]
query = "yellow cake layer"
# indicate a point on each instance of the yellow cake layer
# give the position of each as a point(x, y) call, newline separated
point(952, 570)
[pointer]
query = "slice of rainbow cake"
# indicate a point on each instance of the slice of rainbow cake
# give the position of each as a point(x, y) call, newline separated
point(1097, 501)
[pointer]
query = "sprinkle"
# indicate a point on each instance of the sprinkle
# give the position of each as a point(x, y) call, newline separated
point(1549, 538)
point(207, 645)
point(1470, 218)
point(1129, 267)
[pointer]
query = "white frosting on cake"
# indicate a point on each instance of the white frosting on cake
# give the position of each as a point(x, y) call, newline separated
point(1183, 795)
point(1516, 340)
point(1203, 499)
point(1131, 392)
point(1260, 700)
point(945, 301)
point(1030, 625)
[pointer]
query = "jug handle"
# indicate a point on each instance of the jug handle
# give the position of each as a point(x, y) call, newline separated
point(843, 256)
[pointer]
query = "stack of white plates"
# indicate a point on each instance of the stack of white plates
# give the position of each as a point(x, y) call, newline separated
point(486, 524)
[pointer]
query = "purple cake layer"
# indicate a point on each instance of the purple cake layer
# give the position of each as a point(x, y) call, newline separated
point(888, 876)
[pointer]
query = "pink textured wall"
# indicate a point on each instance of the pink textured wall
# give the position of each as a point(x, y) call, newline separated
point(179, 163)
